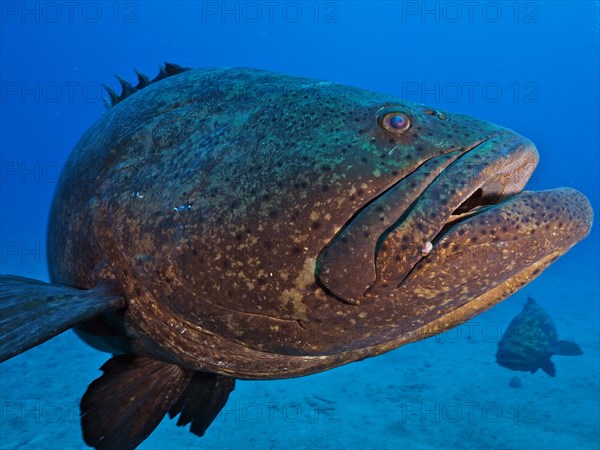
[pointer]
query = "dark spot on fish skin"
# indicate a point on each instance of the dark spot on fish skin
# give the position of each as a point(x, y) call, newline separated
point(325, 168)
point(315, 225)
point(273, 214)
point(366, 234)
point(474, 239)
point(535, 272)
point(461, 232)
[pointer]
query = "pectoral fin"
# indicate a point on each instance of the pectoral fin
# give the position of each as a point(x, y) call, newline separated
point(567, 348)
point(32, 311)
point(548, 366)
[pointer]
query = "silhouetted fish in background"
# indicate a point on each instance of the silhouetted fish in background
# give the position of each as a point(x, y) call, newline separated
point(530, 341)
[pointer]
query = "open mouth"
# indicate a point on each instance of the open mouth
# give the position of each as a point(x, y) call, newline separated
point(475, 204)
point(485, 177)
point(382, 244)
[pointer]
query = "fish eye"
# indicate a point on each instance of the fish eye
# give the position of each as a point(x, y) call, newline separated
point(393, 121)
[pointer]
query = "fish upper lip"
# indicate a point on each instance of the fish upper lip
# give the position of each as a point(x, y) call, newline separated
point(399, 200)
point(498, 167)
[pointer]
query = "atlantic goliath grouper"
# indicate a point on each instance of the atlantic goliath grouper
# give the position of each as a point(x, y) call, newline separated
point(531, 340)
point(226, 223)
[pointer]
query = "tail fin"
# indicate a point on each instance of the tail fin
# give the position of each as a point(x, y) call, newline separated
point(32, 311)
point(122, 407)
point(567, 348)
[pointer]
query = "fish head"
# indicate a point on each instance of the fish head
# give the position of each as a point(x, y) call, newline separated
point(443, 230)
point(514, 360)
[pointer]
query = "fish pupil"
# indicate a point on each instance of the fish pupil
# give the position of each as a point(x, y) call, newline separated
point(397, 121)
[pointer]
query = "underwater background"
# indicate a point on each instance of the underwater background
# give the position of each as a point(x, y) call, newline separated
point(532, 66)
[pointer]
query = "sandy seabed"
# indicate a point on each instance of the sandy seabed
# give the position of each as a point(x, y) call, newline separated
point(445, 392)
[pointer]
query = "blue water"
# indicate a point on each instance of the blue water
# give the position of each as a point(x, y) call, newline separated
point(530, 66)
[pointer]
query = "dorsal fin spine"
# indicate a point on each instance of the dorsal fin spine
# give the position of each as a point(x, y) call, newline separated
point(127, 89)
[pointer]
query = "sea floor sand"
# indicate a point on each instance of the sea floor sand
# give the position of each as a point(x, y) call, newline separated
point(445, 392)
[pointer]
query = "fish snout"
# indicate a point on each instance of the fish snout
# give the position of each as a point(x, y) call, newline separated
point(491, 172)
point(486, 258)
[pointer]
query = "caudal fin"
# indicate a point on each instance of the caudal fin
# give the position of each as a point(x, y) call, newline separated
point(567, 348)
point(32, 311)
point(122, 407)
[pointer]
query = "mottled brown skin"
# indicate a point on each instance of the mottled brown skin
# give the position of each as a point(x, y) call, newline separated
point(267, 226)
